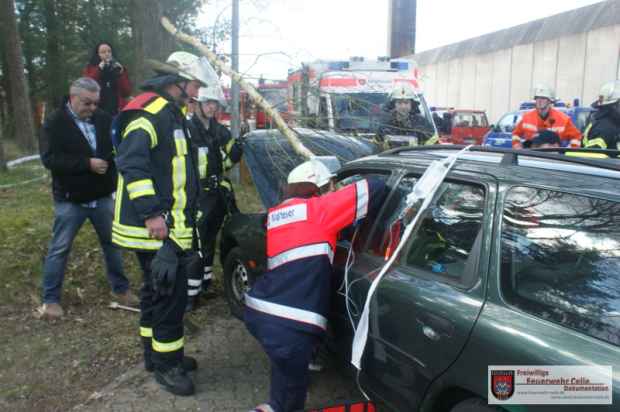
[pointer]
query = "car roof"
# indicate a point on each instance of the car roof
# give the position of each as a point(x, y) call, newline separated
point(575, 173)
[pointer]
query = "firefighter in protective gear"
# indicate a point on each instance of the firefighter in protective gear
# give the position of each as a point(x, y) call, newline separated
point(603, 132)
point(156, 205)
point(287, 307)
point(545, 117)
point(405, 117)
point(218, 152)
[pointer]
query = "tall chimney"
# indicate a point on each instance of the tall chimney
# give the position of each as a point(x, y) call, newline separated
point(401, 27)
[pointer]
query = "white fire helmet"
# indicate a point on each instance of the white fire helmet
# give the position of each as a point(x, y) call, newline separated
point(402, 91)
point(610, 93)
point(542, 90)
point(190, 66)
point(311, 171)
point(211, 92)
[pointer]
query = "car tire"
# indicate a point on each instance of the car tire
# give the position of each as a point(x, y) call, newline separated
point(475, 405)
point(237, 281)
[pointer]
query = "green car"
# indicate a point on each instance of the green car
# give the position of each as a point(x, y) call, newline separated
point(516, 262)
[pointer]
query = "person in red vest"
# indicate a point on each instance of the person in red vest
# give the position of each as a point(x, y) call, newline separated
point(111, 76)
point(287, 307)
point(545, 117)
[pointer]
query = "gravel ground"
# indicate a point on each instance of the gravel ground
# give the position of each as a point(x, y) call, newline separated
point(233, 375)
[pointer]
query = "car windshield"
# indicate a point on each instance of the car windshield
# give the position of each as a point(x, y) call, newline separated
point(508, 122)
point(275, 97)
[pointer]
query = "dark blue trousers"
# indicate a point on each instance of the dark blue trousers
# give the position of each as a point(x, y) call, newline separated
point(289, 351)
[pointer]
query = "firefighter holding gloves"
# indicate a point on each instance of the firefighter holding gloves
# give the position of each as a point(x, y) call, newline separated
point(287, 308)
point(156, 205)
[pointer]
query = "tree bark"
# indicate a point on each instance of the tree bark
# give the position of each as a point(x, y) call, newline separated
point(151, 41)
point(54, 70)
point(19, 103)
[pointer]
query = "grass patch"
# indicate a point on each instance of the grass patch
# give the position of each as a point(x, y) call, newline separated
point(49, 366)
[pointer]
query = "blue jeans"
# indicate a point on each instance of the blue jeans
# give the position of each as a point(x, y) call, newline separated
point(68, 219)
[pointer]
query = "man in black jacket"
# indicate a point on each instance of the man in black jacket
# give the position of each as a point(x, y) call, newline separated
point(75, 145)
point(218, 152)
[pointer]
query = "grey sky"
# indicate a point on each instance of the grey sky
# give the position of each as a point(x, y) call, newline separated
point(277, 35)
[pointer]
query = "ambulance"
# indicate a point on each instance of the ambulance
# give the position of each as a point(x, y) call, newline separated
point(349, 96)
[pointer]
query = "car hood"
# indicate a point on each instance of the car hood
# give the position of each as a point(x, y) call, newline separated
point(270, 157)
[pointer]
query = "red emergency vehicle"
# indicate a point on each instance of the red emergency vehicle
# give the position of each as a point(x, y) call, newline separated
point(349, 96)
point(461, 126)
point(276, 95)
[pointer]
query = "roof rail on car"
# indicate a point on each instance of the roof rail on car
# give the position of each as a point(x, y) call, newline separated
point(511, 156)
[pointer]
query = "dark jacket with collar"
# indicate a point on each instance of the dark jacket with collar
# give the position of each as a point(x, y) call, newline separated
point(66, 153)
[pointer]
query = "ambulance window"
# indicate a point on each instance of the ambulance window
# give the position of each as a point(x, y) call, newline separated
point(323, 119)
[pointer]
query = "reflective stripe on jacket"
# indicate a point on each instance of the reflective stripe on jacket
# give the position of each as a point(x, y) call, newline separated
point(157, 174)
point(301, 241)
point(218, 152)
point(531, 124)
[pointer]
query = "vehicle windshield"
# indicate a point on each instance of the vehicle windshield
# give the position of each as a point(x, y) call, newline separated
point(364, 112)
point(276, 98)
point(508, 122)
point(469, 119)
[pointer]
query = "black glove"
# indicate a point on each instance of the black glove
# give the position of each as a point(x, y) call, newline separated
point(191, 262)
point(164, 268)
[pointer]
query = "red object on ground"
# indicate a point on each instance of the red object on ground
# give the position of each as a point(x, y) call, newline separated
point(368, 406)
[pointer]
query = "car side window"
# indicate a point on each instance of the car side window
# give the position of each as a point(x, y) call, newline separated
point(447, 242)
point(560, 259)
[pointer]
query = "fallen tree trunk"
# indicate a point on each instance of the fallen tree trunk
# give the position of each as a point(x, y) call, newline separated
point(292, 137)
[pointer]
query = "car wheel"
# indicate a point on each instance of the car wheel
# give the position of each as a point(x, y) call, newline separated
point(236, 281)
point(475, 405)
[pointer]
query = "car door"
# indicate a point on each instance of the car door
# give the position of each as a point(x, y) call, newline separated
point(425, 307)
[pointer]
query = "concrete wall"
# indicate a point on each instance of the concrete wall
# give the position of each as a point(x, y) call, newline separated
point(576, 66)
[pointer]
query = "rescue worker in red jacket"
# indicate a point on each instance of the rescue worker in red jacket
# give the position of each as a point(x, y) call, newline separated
point(545, 117)
point(287, 307)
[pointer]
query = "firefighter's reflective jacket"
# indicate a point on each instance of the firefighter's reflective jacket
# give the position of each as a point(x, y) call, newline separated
point(604, 131)
point(157, 173)
point(415, 124)
point(301, 241)
point(218, 152)
point(531, 124)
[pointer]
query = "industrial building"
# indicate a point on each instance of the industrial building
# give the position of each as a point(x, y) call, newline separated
point(575, 52)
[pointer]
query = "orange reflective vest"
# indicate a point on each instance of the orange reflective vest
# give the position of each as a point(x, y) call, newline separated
point(531, 124)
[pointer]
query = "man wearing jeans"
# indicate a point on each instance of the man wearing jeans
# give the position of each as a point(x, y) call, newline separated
point(75, 145)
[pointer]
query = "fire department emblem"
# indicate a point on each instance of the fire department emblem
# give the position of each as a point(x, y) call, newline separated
point(502, 384)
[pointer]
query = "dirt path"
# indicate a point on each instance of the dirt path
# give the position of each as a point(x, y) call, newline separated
point(233, 376)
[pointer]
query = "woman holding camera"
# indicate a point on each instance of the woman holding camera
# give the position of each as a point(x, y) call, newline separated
point(111, 76)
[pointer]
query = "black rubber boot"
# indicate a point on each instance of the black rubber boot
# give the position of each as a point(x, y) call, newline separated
point(189, 364)
point(176, 381)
